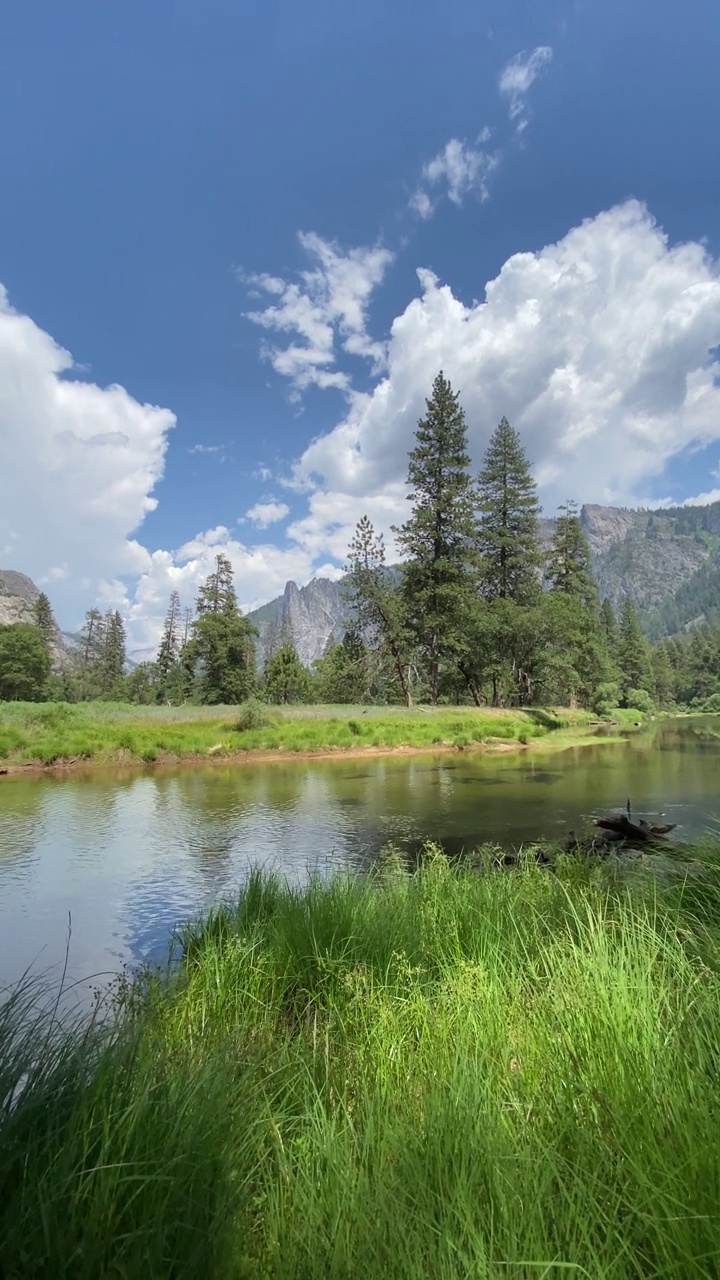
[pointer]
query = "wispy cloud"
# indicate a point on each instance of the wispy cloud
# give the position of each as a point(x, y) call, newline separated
point(326, 309)
point(218, 450)
point(455, 172)
point(517, 78)
point(267, 513)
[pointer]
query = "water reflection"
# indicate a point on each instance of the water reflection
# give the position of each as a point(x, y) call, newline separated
point(125, 857)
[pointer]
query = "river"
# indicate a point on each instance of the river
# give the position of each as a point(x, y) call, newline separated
point(104, 865)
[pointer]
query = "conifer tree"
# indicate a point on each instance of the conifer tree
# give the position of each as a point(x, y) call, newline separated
point(285, 679)
point(508, 527)
point(92, 640)
point(569, 565)
point(633, 653)
point(222, 648)
point(608, 622)
point(169, 651)
point(44, 616)
point(440, 536)
point(111, 659)
point(378, 605)
point(343, 674)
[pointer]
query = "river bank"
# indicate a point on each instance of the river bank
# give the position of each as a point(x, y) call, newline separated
point(64, 738)
point(428, 1073)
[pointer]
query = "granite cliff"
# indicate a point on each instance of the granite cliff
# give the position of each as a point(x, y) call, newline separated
point(18, 596)
point(666, 561)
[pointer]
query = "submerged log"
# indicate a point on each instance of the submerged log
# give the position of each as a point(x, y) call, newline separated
point(639, 832)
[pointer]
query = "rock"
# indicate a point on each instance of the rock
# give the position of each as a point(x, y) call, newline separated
point(310, 616)
point(18, 595)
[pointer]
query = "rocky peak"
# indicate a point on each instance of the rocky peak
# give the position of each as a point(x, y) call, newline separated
point(18, 597)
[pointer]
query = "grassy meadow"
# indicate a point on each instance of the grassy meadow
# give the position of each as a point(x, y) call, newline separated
point(451, 1072)
point(52, 733)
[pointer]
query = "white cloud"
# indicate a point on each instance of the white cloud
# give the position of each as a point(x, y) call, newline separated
point(266, 513)
point(79, 465)
point(596, 348)
point(327, 311)
point(217, 450)
point(455, 171)
point(260, 574)
point(601, 350)
point(702, 499)
point(517, 78)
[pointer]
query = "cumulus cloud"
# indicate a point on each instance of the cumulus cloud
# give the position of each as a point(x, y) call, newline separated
point(454, 172)
point(260, 573)
point(517, 78)
point(599, 349)
point(267, 513)
point(79, 465)
point(326, 310)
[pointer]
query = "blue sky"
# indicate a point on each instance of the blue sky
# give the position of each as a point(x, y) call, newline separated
point(170, 170)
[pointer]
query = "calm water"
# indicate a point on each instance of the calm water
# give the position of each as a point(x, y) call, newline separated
point(124, 858)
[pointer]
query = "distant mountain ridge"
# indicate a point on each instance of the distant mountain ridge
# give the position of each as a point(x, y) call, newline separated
point(667, 561)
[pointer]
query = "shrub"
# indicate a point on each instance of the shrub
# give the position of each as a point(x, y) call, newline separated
point(606, 698)
point(355, 727)
point(252, 715)
point(639, 700)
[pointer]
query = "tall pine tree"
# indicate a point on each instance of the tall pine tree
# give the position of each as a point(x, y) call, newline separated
point(633, 654)
point(222, 649)
point(44, 616)
point(378, 605)
point(569, 565)
point(508, 528)
point(439, 539)
point(111, 660)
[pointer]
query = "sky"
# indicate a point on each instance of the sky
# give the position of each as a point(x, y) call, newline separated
point(237, 243)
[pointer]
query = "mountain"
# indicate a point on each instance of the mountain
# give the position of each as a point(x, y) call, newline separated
point(667, 561)
point(18, 595)
point(310, 616)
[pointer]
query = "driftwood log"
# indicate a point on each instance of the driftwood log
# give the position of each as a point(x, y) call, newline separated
point(638, 832)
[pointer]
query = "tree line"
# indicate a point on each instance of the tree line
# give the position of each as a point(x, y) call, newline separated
point(477, 612)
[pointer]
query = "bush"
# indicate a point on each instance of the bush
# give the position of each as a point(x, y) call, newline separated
point(639, 700)
point(606, 698)
point(252, 715)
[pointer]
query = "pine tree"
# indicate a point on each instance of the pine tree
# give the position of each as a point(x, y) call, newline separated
point(343, 674)
point(633, 653)
point(44, 616)
point(222, 649)
point(111, 659)
point(285, 679)
point(378, 605)
point(92, 640)
point(608, 622)
point(569, 565)
point(169, 651)
point(439, 539)
point(508, 527)
point(663, 676)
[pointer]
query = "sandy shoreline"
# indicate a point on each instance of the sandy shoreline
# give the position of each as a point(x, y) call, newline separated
point(167, 762)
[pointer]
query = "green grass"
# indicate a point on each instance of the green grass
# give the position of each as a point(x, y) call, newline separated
point(55, 732)
point(443, 1074)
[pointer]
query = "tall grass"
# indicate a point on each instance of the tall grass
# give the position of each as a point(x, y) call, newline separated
point(54, 732)
point(456, 1072)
